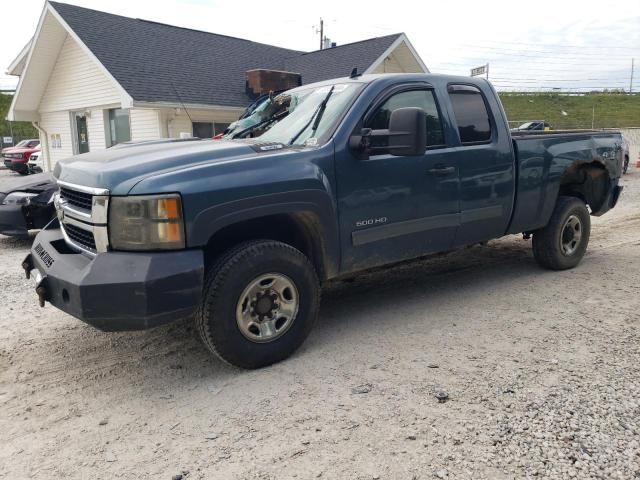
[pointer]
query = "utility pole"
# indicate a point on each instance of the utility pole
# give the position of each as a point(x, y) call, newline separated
point(321, 33)
point(631, 79)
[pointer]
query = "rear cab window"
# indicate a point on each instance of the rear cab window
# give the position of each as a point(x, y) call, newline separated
point(471, 114)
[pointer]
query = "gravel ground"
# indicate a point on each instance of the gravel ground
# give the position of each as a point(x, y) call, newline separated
point(475, 364)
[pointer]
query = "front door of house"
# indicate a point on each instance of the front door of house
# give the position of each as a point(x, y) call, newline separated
point(82, 133)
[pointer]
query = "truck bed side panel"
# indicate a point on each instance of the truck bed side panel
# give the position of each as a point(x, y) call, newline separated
point(543, 160)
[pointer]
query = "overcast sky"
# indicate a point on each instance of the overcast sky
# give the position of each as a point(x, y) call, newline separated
point(529, 45)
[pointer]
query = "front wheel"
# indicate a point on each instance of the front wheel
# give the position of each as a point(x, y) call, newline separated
point(260, 301)
point(563, 242)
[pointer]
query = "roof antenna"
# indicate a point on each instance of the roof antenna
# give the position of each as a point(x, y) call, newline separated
point(181, 102)
point(354, 73)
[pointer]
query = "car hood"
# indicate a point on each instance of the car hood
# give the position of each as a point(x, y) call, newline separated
point(30, 183)
point(120, 168)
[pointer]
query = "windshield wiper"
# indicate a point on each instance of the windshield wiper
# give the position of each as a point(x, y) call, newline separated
point(315, 118)
point(274, 118)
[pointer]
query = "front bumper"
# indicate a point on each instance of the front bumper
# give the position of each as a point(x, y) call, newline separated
point(17, 165)
point(116, 291)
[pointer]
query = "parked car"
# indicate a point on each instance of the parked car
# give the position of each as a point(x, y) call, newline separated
point(26, 203)
point(536, 125)
point(625, 154)
point(36, 163)
point(17, 159)
point(30, 143)
point(363, 172)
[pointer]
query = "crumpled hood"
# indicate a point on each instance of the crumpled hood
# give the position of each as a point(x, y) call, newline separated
point(120, 168)
point(29, 183)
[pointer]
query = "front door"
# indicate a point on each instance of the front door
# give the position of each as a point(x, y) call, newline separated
point(82, 133)
point(393, 208)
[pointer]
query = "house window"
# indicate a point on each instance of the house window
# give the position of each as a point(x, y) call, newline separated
point(202, 130)
point(119, 128)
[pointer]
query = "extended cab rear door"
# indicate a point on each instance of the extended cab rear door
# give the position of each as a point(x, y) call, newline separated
point(393, 208)
point(484, 160)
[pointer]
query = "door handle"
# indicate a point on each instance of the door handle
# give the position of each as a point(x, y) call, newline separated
point(442, 171)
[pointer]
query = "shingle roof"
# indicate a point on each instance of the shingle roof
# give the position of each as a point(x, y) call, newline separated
point(339, 61)
point(153, 61)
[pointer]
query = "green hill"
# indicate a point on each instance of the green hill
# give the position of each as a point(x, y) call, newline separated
point(606, 110)
point(21, 130)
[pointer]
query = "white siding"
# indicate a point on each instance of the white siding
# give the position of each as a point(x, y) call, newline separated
point(180, 123)
point(401, 60)
point(145, 124)
point(58, 123)
point(77, 82)
point(96, 130)
point(172, 123)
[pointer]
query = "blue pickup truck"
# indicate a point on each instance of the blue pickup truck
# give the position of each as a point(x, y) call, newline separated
point(361, 172)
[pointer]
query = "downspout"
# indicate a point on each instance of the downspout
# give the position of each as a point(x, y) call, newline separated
point(43, 133)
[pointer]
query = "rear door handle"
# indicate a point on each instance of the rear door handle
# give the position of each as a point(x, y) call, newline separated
point(442, 171)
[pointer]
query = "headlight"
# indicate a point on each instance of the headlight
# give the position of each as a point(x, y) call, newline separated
point(149, 222)
point(18, 198)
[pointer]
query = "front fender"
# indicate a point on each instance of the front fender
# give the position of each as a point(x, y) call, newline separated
point(312, 201)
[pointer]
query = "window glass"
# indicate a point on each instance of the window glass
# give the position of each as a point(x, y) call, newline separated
point(423, 99)
point(471, 116)
point(220, 127)
point(119, 130)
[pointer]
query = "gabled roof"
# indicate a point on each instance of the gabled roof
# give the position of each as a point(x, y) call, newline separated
point(17, 66)
point(151, 63)
point(339, 61)
point(156, 62)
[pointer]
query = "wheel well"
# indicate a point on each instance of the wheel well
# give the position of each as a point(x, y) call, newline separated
point(301, 230)
point(589, 182)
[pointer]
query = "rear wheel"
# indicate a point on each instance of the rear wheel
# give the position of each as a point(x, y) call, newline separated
point(259, 304)
point(563, 242)
point(625, 166)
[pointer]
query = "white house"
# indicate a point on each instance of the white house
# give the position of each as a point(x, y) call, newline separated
point(90, 80)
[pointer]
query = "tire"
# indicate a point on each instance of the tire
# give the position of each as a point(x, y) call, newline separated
point(555, 246)
point(239, 303)
point(625, 166)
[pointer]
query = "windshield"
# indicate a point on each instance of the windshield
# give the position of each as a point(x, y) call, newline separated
point(308, 119)
point(266, 110)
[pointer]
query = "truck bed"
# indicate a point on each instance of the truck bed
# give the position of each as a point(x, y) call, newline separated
point(542, 160)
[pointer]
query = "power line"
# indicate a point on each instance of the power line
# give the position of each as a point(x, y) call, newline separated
point(561, 45)
point(557, 54)
point(606, 80)
point(529, 64)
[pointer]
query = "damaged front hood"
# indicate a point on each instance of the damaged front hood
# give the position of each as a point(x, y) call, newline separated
point(120, 168)
point(30, 183)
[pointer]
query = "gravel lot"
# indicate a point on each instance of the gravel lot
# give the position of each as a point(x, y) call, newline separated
point(541, 369)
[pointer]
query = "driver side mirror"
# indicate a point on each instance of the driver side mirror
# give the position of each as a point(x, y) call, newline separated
point(407, 134)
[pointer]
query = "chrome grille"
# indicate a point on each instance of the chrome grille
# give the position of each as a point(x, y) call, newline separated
point(82, 212)
point(81, 236)
point(77, 199)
